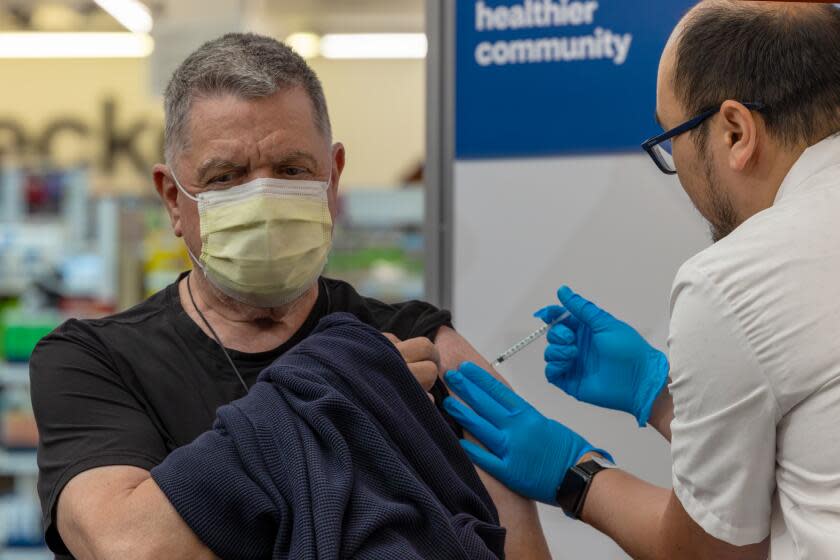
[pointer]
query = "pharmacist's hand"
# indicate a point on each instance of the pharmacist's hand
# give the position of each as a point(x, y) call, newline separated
point(523, 449)
point(600, 360)
point(422, 358)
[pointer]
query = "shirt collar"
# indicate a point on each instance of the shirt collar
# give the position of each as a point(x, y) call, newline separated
point(823, 154)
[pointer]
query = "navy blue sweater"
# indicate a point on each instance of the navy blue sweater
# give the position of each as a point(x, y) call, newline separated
point(336, 452)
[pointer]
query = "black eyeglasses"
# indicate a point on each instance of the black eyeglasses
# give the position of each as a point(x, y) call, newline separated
point(659, 147)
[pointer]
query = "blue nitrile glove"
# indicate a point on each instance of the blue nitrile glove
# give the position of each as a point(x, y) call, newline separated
point(600, 360)
point(525, 450)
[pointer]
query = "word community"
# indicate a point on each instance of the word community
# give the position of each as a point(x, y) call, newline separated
point(600, 44)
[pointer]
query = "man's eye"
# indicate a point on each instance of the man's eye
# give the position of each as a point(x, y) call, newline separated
point(294, 171)
point(223, 178)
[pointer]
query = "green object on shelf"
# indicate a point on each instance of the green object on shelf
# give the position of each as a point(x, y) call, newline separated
point(344, 260)
point(19, 332)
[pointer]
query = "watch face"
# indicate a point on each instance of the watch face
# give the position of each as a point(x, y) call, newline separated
point(571, 490)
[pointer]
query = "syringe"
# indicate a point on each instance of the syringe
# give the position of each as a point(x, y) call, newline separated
point(522, 344)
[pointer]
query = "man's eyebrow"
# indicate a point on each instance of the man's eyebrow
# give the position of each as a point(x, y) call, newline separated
point(215, 163)
point(287, 158)
point(297, 155)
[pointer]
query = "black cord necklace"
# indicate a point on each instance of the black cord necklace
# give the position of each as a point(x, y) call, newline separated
point(215, 336)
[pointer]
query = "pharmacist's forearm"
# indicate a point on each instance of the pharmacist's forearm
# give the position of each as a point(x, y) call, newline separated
point(650, 523)
point(626, 509)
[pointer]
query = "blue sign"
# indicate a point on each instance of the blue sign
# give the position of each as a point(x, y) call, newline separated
point(545, 77)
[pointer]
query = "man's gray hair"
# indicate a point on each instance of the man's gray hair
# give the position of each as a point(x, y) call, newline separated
point(246, 65)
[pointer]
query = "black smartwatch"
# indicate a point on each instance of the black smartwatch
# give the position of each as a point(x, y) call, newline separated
point(571, 494)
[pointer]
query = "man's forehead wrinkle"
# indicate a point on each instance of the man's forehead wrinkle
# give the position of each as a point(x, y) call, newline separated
point(273, 138)
point(269, 140)
point(278, 146)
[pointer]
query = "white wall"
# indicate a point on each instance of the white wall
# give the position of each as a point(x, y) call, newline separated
point(616, 230)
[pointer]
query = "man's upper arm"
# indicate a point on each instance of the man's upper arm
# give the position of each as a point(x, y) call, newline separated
point(454, 349)
point(725, 414)
point(518, 515)
point(86, 417)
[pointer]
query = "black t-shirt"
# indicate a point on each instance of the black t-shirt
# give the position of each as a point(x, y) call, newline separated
point(129, 388)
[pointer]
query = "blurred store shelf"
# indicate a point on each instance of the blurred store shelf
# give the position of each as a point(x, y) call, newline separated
point(24, 553)
point(378, 242)
point(12, 374)
point(18, 463)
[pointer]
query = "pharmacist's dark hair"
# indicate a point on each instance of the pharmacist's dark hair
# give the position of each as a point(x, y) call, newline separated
point(242, 64)
point(787, 58)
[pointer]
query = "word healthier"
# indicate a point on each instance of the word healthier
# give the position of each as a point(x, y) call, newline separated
point(601, 44)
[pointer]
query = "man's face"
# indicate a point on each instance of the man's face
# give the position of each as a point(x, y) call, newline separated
point(700, 169)
point(231, 141)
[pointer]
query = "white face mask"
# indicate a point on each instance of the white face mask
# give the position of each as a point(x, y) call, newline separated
point(264, 243)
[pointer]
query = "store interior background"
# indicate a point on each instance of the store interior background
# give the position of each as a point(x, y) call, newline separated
point(82, 233)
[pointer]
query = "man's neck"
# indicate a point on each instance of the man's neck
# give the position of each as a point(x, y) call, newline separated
point(766, 183)
point(242, 327)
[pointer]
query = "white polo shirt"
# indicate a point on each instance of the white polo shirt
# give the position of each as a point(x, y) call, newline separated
point(755, 366)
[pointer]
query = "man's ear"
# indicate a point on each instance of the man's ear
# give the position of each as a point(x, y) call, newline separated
point(338, 155)
point(740, 130)
point(168, 192)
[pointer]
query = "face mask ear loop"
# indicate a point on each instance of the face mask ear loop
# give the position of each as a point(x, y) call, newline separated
point(196, 261)
point(182, 189)
point(195, 198)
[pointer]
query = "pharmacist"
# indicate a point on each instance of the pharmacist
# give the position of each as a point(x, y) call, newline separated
point(749, 93)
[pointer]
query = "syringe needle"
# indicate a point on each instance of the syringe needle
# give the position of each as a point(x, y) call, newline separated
point(522, 344)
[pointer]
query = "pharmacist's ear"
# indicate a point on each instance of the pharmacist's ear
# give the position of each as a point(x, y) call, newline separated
point(168, 193)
